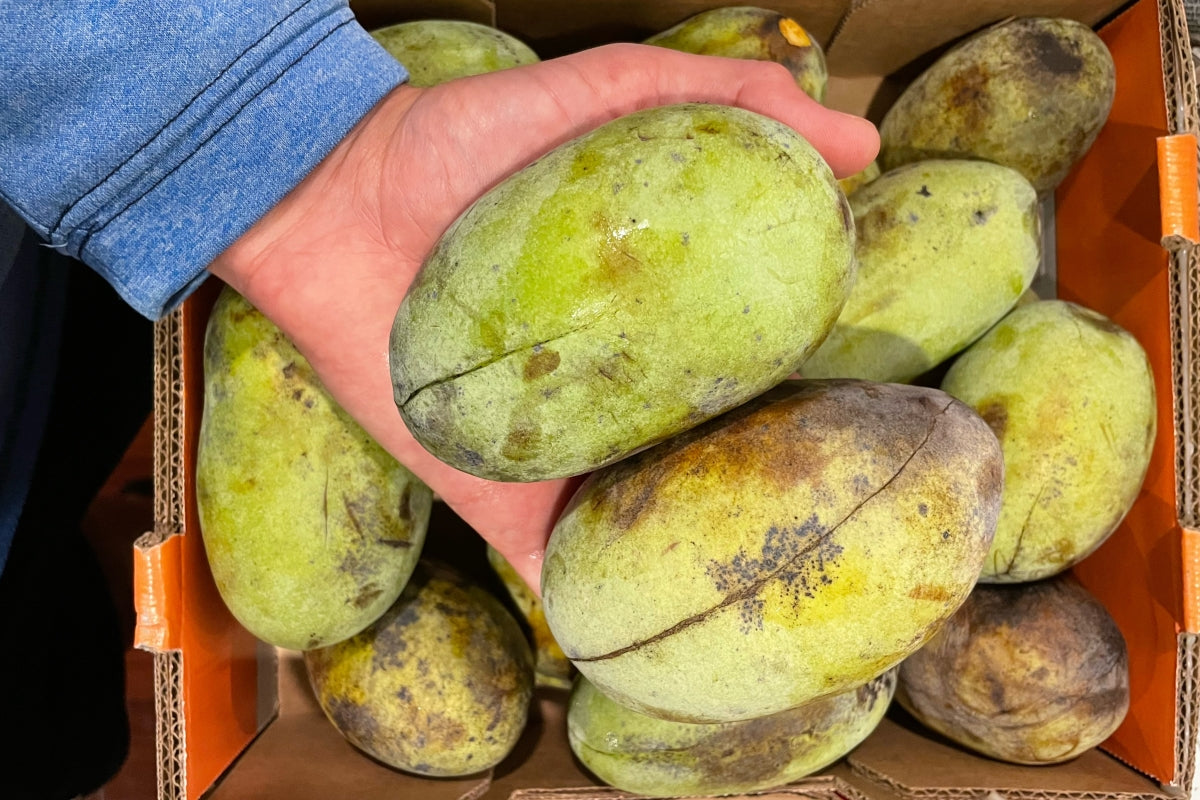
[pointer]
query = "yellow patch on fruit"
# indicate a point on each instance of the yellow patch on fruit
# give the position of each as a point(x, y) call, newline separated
point(794, 32)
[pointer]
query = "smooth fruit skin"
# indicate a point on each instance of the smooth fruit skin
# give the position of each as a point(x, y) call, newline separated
point(438, 50)
point(791, 549)
point(945, 249)
point(311, 529)
point(1031, 93)
point(755, 34)
point(646, 755)
point(645, 277)
point(1070, 395)
point(440, 685)
point(1035, 673)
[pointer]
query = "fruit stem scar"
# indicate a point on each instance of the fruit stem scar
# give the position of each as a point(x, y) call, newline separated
point(500, 357)
point(751, 589)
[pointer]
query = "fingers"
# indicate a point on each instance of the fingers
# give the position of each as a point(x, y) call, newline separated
point(624, 78)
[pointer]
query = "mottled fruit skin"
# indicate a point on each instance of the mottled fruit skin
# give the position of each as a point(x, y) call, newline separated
point(645, 277)
point(945, 249)
point(754, 34)
point(553, 668)
point(793, 548)
point(440, 685)
point(1071, 397)
point(1031, 93)
point(1034, 673)
point(647, 755)
point(438, 50)
point(311, 529)
point(854, 182)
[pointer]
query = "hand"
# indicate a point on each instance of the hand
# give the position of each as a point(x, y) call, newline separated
point(330, 264)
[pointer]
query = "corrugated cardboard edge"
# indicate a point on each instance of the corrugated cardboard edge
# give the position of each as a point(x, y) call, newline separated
point(819, 788)
point(1182, 117)
point(986, 792)
point(171, 754)
point(1188, 714)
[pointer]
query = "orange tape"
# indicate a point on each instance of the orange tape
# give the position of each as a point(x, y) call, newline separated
point(1191, 580)
point(156, 588)
point(1178, 190)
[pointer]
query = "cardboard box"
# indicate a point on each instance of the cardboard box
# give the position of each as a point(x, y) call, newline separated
point(237, 719)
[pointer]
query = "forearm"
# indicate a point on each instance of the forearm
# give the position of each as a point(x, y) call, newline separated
point(144, 139)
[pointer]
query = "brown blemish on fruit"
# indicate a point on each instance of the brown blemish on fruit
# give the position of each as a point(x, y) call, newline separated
point(748, 753)
point(367, 595)
point(1050, 54)
point(927, 591)
point(995, 414)
point(521, 443)
point(541, 362)
point(968, 94)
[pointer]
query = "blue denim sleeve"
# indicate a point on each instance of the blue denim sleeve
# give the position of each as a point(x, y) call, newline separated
point(144, 138)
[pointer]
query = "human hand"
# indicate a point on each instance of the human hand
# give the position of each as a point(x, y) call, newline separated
point(330, 264)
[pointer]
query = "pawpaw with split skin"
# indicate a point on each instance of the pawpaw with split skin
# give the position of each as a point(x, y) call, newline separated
point(440, 685)
point(310, 528)
point(790, 549)
point(434, 51)
point(647, 276)
point(752, 33)
point(651, 756)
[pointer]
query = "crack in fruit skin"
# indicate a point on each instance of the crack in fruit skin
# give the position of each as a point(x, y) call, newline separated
point(879, 500)
point(752, 589)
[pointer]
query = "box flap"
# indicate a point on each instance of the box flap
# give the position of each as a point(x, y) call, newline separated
point(1121, 270)
point(919, 27)
point(912, 764)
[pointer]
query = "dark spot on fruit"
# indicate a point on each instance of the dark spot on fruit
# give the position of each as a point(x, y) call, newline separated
point(924, 191)
point(469, 456)
point(366, 596)
point(748, 753)
point(297, 394)
point(521, 443)
point(290, 370)
point(945, 536)
point(926, 591)
point(797, 557)
point(922, 509)
point(967, 92)
point(995, 414)
point(541, 363)
point(876, 221)
point(1052, 55)
point(982, 215)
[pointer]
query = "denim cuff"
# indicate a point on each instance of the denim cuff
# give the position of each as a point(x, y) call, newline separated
point(265, 131)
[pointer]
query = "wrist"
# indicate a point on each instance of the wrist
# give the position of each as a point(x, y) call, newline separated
point(337, 202)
